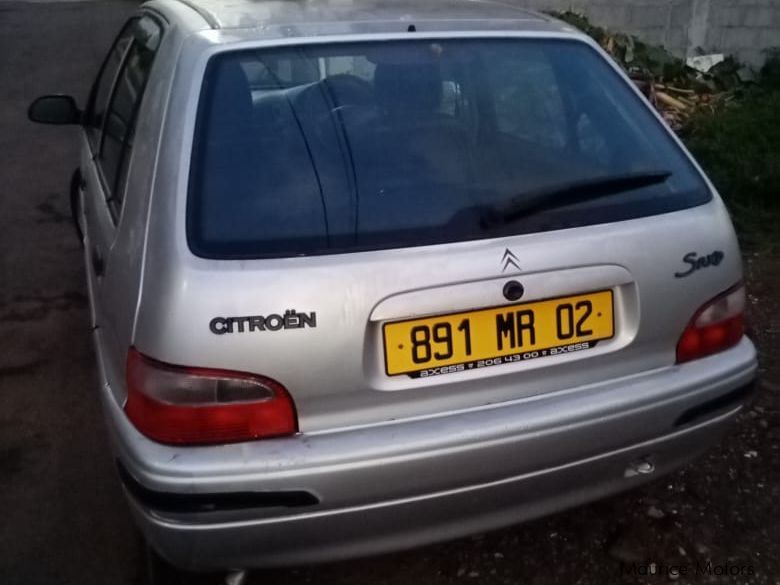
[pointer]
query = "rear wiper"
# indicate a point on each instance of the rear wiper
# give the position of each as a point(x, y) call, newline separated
point(561, 195)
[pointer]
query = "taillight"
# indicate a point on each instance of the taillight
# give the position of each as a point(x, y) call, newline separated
point(718, 325)
point(197, 406)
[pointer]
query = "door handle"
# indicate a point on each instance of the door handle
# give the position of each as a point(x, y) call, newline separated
point(98, 264)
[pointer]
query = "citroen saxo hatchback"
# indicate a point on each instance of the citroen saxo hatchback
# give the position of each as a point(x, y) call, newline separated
point(365, 276)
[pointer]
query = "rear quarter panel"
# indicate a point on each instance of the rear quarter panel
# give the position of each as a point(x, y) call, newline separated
point(120, 290)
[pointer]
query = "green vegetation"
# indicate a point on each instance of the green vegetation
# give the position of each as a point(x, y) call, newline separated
point(738, 144)
point(728, 117)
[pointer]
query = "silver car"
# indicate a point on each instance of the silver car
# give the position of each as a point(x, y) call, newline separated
point(369, 275)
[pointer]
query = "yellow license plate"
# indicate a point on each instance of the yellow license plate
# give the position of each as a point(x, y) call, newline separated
point(488, 337)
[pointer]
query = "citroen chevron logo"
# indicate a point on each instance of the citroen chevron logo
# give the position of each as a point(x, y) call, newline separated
point(509, 259)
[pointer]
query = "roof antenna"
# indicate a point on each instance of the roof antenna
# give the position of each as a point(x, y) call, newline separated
point(411, 28)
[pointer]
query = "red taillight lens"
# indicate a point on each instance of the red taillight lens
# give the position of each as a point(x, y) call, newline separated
point(718, 325)
point(198, 406)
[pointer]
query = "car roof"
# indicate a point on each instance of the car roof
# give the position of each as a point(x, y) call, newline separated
point(378, 15)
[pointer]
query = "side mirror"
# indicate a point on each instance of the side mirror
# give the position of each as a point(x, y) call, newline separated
point(54, 109)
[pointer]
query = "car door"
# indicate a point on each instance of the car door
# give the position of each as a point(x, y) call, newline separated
point(107, 152)
point(96, 226)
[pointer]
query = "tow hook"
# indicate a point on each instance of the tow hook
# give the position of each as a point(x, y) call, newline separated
point(639, 467)
point(235, 578)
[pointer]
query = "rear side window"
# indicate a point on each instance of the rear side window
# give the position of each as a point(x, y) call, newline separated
point(333, 148)
point(120, 117)
point(101, 91)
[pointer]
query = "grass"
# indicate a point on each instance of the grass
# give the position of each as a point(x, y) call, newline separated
point(738, 145)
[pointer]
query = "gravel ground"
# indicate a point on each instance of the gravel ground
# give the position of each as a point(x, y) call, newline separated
point(64, 520)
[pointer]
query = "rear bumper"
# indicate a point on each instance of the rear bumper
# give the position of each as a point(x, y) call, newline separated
point(311, 536)
point(353, 492)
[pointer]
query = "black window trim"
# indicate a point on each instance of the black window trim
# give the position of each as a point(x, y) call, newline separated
point(95, 148)
point(110, 192)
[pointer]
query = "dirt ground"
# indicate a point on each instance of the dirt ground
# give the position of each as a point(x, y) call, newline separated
point(64, 520)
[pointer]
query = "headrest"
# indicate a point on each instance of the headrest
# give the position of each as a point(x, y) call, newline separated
point(408, 88)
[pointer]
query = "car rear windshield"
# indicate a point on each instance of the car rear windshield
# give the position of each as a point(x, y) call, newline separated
point(321, 149)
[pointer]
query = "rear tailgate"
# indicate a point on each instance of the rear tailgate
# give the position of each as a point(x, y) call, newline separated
point(331, 353)
point(241, 272)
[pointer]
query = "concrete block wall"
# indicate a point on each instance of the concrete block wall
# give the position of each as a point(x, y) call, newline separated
point(743, 28)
